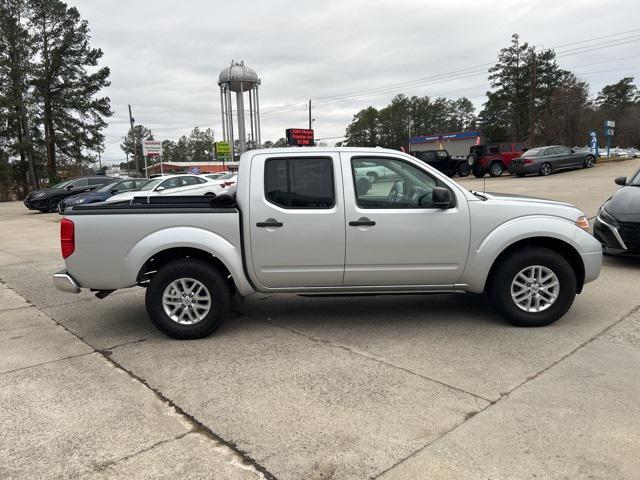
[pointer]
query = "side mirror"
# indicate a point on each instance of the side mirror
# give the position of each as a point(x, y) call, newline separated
point(159, 189)
point(114, 191)
point(441, 197)
point(622, 181)
point(69, 187)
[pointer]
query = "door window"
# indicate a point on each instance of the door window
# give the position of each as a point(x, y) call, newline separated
point(299, 182)
point(563, 150)
point(83, 182)
point(494, 151)
point(171, 183)
point(409, 187)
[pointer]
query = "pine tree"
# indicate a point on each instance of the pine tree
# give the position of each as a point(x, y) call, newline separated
point(67, 81)
point(15, 68)
point(132, 145)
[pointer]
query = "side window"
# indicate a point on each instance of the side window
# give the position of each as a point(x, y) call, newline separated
point(97, 181)
point(494, 151)
point(190, 181)
point(408, 187)
point(551, 151)
point(171, 183)
point(505, 147)
point(563, 150)
point(125, 186)
point(83, 182)
point(299, 182)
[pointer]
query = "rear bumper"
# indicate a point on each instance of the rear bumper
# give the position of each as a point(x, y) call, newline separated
point(65, 283)
point(523, 169)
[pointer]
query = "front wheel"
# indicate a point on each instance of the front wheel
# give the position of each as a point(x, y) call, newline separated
point(52, 205)
point(478, 173)
point(589, 161)
point(463, 169)
point(532, 287)
point(188, 298)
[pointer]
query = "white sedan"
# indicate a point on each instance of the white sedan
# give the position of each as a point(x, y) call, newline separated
point(172, 185)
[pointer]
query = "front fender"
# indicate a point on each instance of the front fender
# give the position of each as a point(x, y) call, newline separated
point(189, 237)
point(487, 249)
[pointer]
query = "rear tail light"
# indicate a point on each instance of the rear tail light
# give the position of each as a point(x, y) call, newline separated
point(67, 237)
point(228, 184)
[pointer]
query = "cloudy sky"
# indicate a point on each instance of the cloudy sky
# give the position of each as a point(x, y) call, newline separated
point(165, 56)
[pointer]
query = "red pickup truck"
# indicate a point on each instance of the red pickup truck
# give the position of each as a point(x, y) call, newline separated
point(494, 158)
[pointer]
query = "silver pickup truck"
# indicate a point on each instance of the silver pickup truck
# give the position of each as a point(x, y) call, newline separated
point(301, 222)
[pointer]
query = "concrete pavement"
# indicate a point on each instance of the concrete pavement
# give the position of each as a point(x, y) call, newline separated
point(304, 388)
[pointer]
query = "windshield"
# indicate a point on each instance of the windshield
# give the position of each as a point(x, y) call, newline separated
point(151, 185)
point(534, 152)
point(107, 187)
point(635, 181)
point(226, 175)
point(62, 184)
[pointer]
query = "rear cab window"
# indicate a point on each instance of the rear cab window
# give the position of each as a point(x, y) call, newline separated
point(296, 183)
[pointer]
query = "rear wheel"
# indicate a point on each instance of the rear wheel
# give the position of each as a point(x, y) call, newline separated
point(478, 173)
point(545, 169)
point(463, 169)
point(496, 169)
point(188, 298)
point(589, 161)
point(532, 287)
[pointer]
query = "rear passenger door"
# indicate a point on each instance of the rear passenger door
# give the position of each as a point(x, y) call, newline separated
point(296, 220)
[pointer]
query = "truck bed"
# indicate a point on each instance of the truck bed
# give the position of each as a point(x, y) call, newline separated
point(106, 233)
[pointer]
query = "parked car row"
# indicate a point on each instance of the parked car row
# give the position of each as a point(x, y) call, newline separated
point(98, 189)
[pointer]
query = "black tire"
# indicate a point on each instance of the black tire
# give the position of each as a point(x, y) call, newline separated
point(589, 161)
point(362, 186)
point(545, 169)
point(477, 173)
point(52, 204)
point(373, 177)
point(496, 169)
point(189, 268)
point(500, 282)
point(463, 169)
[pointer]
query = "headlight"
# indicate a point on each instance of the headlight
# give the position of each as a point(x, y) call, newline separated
point(606, 217)
point(81, 200)
point(583, 223)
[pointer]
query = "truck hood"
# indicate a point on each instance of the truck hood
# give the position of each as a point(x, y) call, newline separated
point(524, 198)
point(525, 205)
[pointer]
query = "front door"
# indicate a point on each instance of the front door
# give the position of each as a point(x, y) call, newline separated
point(395, 236)
point(297, 220)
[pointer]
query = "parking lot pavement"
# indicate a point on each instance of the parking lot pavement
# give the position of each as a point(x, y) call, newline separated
point(304, 388)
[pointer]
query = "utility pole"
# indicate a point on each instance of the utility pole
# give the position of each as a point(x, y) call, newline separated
point(310, 119)
point(532, 100)
point(135, 144)
point(99, 160)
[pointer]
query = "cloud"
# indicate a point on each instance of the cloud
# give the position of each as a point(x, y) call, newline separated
point(165, 56)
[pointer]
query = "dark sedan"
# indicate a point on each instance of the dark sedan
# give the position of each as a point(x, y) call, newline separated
point(617, 224)
point(102, 193)
point(47, 199)
point(546, 160)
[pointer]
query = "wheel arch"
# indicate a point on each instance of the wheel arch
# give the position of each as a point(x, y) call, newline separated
point(563, 248)
point(155, 250)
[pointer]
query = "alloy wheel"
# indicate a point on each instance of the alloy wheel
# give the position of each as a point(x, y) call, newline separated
point(186, 301)
point(535, 288)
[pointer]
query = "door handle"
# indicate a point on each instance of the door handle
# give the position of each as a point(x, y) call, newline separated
point(269, 223)
point(362, 222)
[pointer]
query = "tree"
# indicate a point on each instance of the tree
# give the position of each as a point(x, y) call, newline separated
point(363, 130)
point(281, 142)
point(201, 145)
point(67, 82)
point(15, 68)
point(132, 145)
point(619, 96)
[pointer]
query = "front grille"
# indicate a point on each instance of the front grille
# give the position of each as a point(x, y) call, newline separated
point(630, 233)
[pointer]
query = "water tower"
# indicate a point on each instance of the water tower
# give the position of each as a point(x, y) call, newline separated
point(239, 78)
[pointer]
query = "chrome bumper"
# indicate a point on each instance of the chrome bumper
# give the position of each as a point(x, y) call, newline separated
point(63, 282)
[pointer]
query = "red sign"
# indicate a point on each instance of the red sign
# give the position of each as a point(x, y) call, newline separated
point(300, 137)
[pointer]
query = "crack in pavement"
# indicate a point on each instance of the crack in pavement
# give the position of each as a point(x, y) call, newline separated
point(507, 394)
point(196, 425)
point(46, 363)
